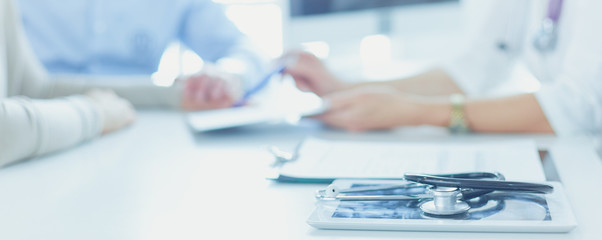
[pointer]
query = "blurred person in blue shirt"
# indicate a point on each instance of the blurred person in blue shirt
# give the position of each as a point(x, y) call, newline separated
point(128, 37)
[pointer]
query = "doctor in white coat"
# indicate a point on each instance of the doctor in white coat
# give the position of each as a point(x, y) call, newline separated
point(559, 42)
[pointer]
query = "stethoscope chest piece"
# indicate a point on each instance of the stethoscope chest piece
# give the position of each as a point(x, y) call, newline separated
point(545, 40)
point(445, 202)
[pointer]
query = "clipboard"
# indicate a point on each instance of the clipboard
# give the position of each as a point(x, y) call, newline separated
point(322, 161)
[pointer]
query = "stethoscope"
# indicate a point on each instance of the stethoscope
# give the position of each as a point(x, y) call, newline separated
point(446, 194)
point(546, 37)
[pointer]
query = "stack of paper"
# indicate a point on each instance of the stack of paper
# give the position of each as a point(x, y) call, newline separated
point(286, 104)
point(323, 160)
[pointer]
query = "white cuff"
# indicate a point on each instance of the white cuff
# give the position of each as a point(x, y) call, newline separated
point(554, 105)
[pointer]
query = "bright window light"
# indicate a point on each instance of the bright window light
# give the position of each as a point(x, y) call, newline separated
point(318, 48)
point(261, 20)
point(376, 56)
point(191, 62)
point(375, 49)
point(169, 66)
point(262, 23)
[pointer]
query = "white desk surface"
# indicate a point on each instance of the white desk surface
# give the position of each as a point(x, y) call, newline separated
point(157, 180)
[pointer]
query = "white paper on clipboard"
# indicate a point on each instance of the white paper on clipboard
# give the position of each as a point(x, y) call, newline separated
point(518, 160)
point(284, 105)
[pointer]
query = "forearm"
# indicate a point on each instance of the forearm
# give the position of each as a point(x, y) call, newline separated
point(520, 113)
point(31, 128)
point(434, 82)
point(140, 91)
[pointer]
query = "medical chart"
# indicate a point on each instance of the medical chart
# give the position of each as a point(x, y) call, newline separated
point(318, 158)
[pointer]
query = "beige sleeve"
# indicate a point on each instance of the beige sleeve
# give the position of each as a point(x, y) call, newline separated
point(138, 90)
point(30, 127)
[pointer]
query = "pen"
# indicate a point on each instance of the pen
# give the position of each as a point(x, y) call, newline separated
point(260, 85)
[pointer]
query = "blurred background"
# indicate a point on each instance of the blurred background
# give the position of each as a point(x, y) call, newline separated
point(376, 39)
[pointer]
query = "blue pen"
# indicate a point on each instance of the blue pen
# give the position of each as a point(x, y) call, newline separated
point(264, 82)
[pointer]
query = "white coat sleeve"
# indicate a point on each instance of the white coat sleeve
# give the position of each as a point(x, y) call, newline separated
point(573, 103)
point(483, 64)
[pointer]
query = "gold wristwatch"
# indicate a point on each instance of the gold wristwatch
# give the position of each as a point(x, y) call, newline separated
point(457, 123)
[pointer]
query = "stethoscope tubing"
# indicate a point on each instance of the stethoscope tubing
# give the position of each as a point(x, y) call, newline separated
point(482, 184)
point(470, 185)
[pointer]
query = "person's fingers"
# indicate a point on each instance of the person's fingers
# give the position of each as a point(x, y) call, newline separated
point(302, 63)
point(345, 118)
point(302, 84)
point(289, 58)
point(292, 53)
point(303, 67)
point(229, 95)
point(116, 112)
point(130, 111)
point(210, 91)
point(194, 88)
point(340, 100)
point(295, 71)
point(217, 90)
point(203, 93)
point(124, 114)
point(191, 86)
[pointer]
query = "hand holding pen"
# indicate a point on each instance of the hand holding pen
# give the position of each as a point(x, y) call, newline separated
point(281, 66)
point(210, 89)
point(259, 86)
point(311, 75)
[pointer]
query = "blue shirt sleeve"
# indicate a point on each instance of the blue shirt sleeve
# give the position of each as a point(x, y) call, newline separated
point(207, 30)
point(212, 35)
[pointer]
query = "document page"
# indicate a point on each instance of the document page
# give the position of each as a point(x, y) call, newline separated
point(277, 108)
point(318, 158)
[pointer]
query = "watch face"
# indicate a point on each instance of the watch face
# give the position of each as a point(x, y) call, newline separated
point(457, 122)
point(459, 128)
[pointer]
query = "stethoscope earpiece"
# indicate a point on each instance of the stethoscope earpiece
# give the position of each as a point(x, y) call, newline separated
point(331, 191)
